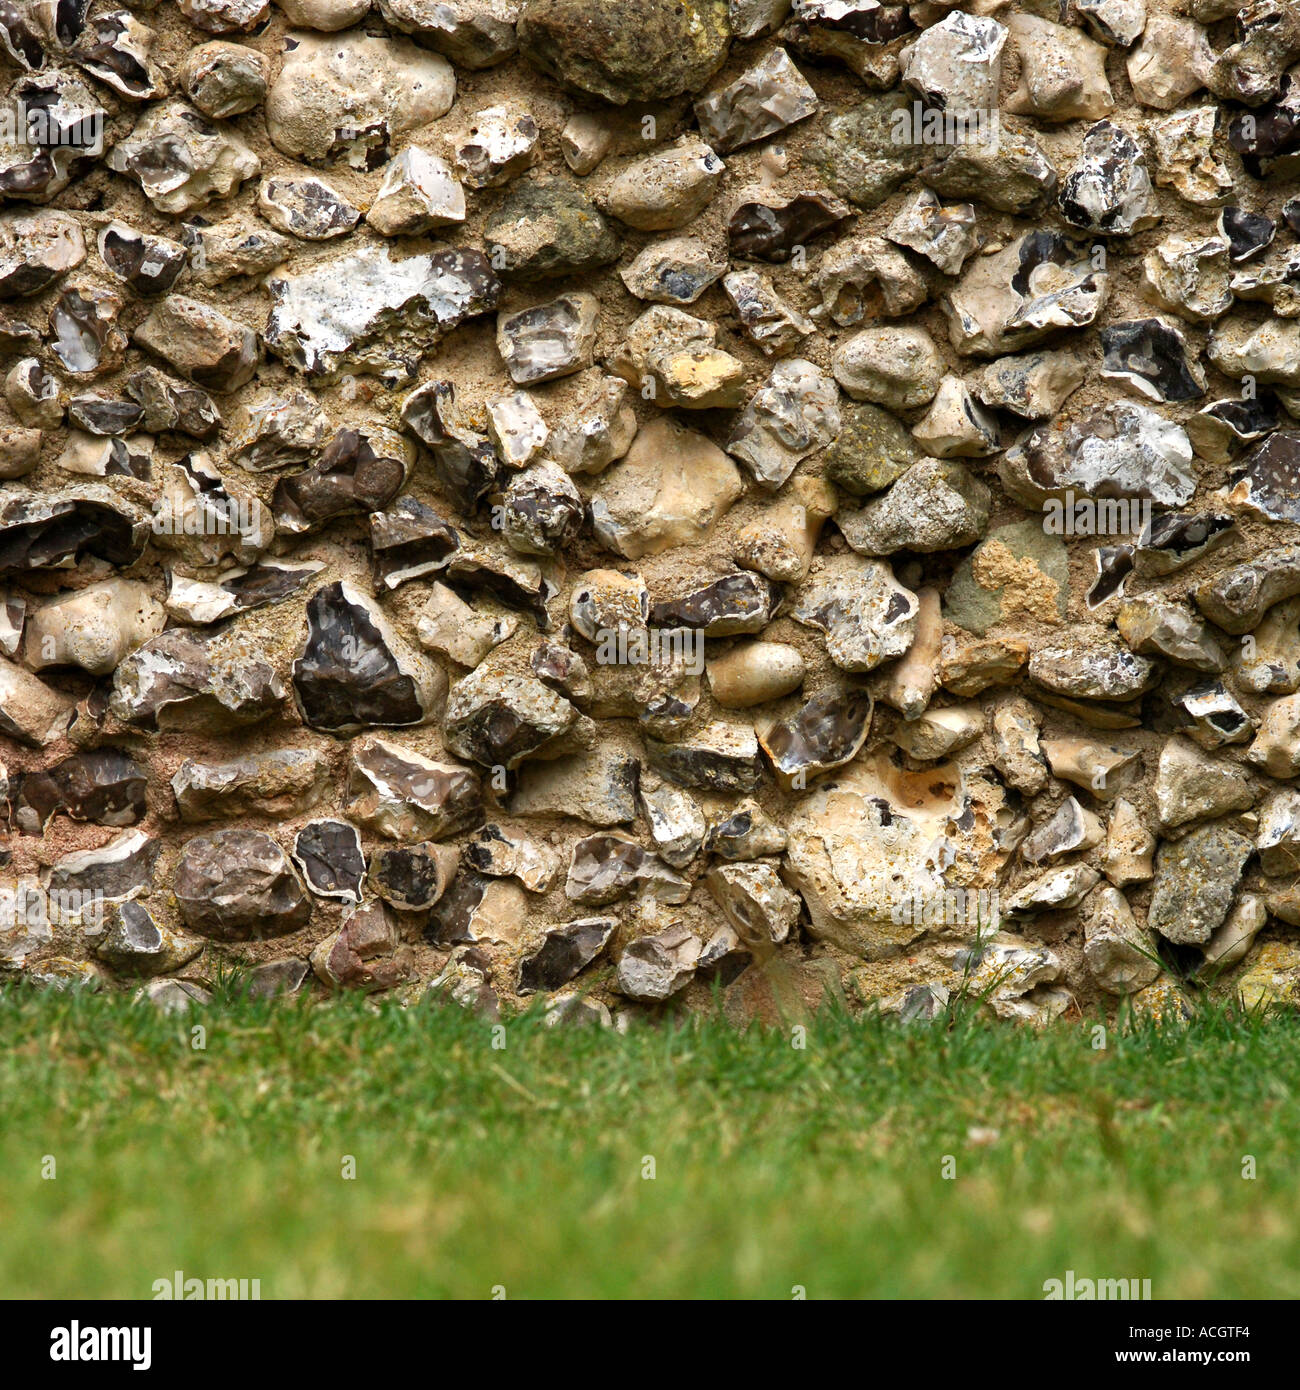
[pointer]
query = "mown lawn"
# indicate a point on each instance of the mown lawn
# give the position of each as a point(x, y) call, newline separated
point(524, 1168)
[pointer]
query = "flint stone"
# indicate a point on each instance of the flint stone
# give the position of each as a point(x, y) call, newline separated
point(499, 719)
point(866, 278)
point(501, 143)
point(355, 672)
point(829, 731)
point(122, 869)
point(103, 785)
point(1119, 954)
point(238, 884)
point(754, 900)
point(611, 866)
point(773, 324)
point(282, 783)
point(667, 189)
point(1105, 669)
point(412, 878)
point(472, 33)
point(403, 795)
point(1016, 297)
point(224, 79)
point(598, 788)
point(1237, 598)
point(136, 945)
point(643, 50)
point(899, 368)
point(363, 954)
point(204, 346)
point(418, 193)
point(654, 968)
point(670, 489)
point(328, 855)
point(549, 340)
point(795, 414)
point(358, 471)
point(1190, 788)
point(352, 97)
point(496, 853)
point(868, 617)
point(307, 208)
point(1196, 880)
point(181, 159)
point(768, 97)
point(675, 271)
point(719, 757)
point(677, 824)
point(565, 951)
point(36, 250)
point(186, 680)
point(772, 230)
point(938, 504)
point(366, 312)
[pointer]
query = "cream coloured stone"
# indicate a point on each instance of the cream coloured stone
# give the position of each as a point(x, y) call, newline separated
point(751, 673)
point(93, 628)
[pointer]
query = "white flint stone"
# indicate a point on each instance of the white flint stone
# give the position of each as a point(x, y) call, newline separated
point(352, 97)
point(418, 193)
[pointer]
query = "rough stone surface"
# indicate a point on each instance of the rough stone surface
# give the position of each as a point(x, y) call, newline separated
point(464, 459)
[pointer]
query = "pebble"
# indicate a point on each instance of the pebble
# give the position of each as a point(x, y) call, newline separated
point(236, 884)
point(181, 159)
point(500, 144)
point(645, 50)
point(224, 79)
point(793, 415)
point(898, 368)
point(754, 673)
point(675, 271)
point(766, 98)
point(667, 189)
point(312, 107)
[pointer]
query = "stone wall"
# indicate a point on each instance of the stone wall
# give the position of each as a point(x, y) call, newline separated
point(620, 499)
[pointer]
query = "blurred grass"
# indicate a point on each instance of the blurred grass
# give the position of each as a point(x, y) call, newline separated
point(521, 1167)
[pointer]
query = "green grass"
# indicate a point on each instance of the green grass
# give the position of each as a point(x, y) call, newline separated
point(521, 1167)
